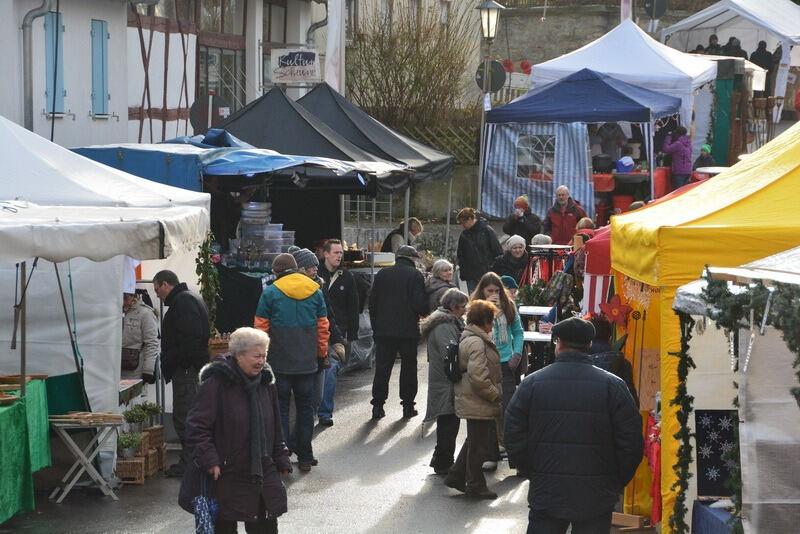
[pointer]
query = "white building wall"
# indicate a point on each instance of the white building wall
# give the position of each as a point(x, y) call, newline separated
point(76, 127)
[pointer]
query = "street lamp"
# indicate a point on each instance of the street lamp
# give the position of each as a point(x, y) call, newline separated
point(489, 11)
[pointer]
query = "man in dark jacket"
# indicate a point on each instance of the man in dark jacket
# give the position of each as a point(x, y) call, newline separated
point(184, 350)
point(522, 221)
point(562, 218)
point(477, 247)
point(396, 302)
point(574, 431)
point(609, 360)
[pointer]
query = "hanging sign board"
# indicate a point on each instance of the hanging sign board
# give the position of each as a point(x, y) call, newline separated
point(294, 65)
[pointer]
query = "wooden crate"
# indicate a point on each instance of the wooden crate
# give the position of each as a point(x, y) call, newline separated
point(151, 463)
point(144, 445)
point(131, 470)
point(156, 435)
point(162, 457)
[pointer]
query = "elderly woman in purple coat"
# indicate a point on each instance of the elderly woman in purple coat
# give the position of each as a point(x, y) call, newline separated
point(235, 441)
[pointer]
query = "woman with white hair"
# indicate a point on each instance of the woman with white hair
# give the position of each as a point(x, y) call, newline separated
point(235, 438)
point(441, 280)
point(513, 260)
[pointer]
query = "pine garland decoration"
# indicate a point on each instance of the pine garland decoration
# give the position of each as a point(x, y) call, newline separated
point(684, 401)
point(731, 458)
point(208, 280)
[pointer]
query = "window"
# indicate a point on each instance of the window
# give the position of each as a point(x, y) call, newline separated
point(535, 157)
point(222, 16)
point(100, 38)
point(274, 28)
point(351, 19)
point(222, 71)
point(54, 62)
point(387, 9)
point(444, 11)
point(183, 10)
point(211, 15)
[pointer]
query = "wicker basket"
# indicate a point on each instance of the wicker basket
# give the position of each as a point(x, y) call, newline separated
point(162, 457)
point(151, 463)
point(144, 445)
point(156, 436)
point(217, 346)
point(131, 471)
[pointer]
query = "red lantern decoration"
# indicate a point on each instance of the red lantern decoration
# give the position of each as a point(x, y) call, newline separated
point(525, 65)
point(615, 311)
point(508, 65)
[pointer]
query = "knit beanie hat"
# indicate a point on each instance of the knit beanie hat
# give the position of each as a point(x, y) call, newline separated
point(282, 263)
point(509, 282)
point(522, 202)
point(515, 240)
point(305, 258)
point(707, 148)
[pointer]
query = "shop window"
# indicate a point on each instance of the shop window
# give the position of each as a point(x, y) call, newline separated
point(233, 17)
point(211, 15)
point(536, 156)
point(54, 62)
point(351, 19)
point(222, 71)
point(99, 35)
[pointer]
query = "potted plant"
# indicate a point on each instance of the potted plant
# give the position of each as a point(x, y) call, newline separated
point(152, 410)
point(127, 443)
point(208, 280)
point(135, 418)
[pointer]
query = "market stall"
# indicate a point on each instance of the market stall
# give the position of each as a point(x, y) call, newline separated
point(777, 22)
point(540, 141)
point(735, 217)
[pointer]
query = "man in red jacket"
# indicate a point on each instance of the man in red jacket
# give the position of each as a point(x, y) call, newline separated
point(561, 219)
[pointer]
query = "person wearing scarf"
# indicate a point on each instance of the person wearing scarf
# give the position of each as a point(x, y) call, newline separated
point(235, 440)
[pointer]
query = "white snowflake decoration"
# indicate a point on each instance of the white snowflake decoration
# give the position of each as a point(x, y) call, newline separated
point(726, 446)
point(712, 473)
point(730, 464)
point(705, 451)
point(713, 435)
point(725, 423)
point(706, 421)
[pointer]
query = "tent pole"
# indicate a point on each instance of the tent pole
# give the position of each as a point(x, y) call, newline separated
point(372, 260)
point(22, 348)
point(341, 216)
point(405, 214)
point(390, 209)
point(652, 157)
point(449, 210)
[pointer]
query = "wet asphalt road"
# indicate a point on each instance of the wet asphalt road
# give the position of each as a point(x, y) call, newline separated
point(371, 477)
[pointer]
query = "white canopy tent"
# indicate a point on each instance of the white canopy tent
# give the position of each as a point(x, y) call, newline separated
point(97, 216)
point(629, 54)
point(750, 21)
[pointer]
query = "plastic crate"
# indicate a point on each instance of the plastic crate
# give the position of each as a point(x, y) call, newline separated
point(131, 470)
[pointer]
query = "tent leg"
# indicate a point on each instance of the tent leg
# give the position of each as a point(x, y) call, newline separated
point(372, 260)
point(22, 330)
point(390, 209)
point(447, 224)
point(405, 214)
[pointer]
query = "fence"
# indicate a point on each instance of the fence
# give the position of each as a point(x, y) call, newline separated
point(459, 141)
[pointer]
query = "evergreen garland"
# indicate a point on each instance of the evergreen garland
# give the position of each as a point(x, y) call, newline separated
point(208, 280)
point(684, 401)
point(734, 482)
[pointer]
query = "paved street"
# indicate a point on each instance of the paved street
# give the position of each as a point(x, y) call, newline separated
point(372, 477)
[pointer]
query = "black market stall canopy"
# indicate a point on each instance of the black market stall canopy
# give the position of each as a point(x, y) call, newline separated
point(274, 121)
point(361, 129)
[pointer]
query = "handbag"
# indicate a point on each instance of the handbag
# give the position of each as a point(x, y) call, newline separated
point(130, 359)
point(452, 367)
point(205, 509)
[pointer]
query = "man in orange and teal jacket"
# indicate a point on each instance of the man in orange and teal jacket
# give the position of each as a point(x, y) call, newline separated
point(292, 311)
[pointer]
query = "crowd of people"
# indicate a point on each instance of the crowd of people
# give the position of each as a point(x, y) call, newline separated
point(232, 415)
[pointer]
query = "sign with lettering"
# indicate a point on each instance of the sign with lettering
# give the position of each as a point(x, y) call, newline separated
point(294, 65)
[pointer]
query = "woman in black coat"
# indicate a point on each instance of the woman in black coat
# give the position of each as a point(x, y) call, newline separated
point(235, 441)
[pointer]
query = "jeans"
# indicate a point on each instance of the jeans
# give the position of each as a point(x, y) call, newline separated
point(184, 388)
point(467, 472)
point(302, 388)
point(509, 385)
point(319, 383)
point(263, 525)
point(540, 523)
point(679, 180)
point(328, 390)
point(385, 352)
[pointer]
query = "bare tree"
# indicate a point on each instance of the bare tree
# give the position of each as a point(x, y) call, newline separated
point(410, 71)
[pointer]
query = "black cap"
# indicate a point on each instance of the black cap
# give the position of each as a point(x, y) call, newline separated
point(574, 331)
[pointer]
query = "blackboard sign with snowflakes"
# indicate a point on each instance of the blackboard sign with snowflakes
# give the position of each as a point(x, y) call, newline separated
point(714, 437)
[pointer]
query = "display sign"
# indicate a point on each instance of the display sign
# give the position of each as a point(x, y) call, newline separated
point(294, 65)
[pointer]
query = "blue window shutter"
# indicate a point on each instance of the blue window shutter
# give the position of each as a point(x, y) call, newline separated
point(53, 31)
point(99, 67)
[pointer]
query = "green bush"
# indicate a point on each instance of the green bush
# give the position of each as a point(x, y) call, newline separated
point(129, 440)
point(137, 414)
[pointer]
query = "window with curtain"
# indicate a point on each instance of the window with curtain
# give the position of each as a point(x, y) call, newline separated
point(536, 157)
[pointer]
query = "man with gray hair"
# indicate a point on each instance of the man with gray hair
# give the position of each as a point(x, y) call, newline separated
point(562, 218)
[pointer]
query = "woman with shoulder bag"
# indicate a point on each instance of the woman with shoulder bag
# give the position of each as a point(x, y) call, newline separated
point(477, 399)
point(235, 439)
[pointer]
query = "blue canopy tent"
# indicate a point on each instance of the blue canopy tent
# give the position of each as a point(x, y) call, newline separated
point(545, 130)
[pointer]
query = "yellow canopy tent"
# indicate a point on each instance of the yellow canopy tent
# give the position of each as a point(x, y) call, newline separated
point(745, 213)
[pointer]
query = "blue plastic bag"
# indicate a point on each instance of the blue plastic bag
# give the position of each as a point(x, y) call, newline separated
point(205, 510)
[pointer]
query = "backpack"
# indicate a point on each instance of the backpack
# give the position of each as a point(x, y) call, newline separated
point(452, 368)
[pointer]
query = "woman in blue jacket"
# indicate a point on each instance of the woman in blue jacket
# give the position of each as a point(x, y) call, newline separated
point(508, 338)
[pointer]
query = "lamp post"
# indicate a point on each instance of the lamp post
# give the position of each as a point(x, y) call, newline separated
point(489, 12)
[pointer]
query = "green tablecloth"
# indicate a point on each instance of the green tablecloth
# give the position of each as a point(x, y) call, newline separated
point(16, 478)
point(38, 426)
